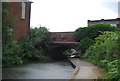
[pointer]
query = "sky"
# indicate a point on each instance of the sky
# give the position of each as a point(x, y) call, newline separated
point(68, 15)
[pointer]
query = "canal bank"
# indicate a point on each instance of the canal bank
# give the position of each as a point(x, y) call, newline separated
point(85, 70)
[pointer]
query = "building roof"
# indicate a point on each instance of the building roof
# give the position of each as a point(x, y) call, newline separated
point(104, 20)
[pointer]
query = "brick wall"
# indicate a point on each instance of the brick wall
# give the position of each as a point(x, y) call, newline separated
point(62, 37)
point(21, 26)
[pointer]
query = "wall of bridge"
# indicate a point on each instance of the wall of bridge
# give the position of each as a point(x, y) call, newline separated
point(62, 37)
point(61, 41)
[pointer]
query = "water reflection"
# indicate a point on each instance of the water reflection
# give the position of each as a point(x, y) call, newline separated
point(54, 70)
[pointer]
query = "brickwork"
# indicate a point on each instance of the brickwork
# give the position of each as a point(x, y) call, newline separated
point(62, 37)
point(22, 26)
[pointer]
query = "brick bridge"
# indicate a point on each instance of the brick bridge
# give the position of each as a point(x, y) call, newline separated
point(61, 41)
point(63, 38)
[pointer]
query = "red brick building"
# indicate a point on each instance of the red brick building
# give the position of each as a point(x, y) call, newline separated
point(21, 12)
point(62, 37)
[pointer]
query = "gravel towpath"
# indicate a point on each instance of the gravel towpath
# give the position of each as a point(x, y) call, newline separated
point(85, 70)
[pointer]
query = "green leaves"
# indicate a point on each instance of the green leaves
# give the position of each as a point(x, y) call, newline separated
point(105, 53)
point(30, 48)
point(67, 52)
point(113, 69)
point(35, 45)
point(38, 35)
point(87, 35)
point(12, 54)
point(85, 43)
point(92, 31)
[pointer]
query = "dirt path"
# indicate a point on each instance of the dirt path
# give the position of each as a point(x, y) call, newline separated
point(86, 70)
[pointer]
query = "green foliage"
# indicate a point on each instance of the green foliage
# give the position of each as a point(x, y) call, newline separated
point(113, 69)
point(67, 52)
point(80, 33)
point(85, 43)
point(92, 31)
point(12, 54)
point(105, 53)
point(40, 34)
point(11, 50)
point(35, 46)
point(31, 48)
point(87, 35)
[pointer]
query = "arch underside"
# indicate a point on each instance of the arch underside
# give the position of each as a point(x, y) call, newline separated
point(59, 48)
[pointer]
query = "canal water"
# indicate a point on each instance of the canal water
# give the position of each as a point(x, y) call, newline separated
point(53, 70)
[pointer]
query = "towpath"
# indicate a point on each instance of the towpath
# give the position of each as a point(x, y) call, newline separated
point(85, 70)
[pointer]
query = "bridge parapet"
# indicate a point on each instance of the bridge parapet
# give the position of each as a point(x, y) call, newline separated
point(62, 37)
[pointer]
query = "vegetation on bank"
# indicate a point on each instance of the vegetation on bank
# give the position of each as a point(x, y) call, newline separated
point(33, 47)
point(92, 31)
point(101, 47)
point(105, 53)
point(86, 35)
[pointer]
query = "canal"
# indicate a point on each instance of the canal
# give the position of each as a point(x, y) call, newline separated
point(52, 70)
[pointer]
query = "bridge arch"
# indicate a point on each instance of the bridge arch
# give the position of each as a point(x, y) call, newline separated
point(59, 47)
point(61, 41)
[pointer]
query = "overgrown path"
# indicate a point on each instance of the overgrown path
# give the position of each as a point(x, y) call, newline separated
point(85, 70)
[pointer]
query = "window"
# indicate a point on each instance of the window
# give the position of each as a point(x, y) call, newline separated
point(113, 25)
point(23, 10)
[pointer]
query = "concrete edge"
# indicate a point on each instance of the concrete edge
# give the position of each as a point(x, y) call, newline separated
point(74, 74)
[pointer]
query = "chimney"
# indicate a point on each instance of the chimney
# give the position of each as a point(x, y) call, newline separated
point(119, 9)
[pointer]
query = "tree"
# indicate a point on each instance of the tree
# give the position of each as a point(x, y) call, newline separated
point(92, 31)
point(35, 45)
point(85, 43)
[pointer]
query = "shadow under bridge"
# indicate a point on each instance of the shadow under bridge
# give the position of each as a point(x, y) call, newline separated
point(57, 48)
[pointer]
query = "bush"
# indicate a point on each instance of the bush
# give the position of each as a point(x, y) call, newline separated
point(67, 52)
point(105, 53)
point(12, 54)
point(31, 48)
point(80, 33)
point(85, 43)
point(35, 46)
point(92, 31)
